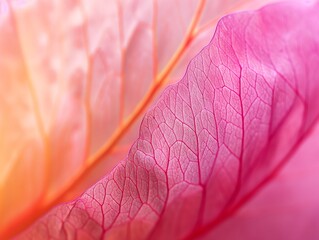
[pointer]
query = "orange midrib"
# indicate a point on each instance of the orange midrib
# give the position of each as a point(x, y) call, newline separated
point(160, 80)
point(37, 208)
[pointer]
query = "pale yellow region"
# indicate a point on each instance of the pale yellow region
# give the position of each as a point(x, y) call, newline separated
point(7, 167)
point(21, 152)
point(57, 65)
point(21, 147)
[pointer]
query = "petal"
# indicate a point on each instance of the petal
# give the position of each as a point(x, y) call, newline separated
point(213, 140)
